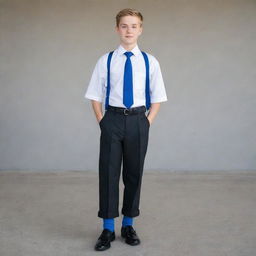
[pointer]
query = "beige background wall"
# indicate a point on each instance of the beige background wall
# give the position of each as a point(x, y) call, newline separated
point(206, 50)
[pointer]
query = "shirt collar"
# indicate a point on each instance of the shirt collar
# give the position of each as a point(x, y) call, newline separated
point(121, 50)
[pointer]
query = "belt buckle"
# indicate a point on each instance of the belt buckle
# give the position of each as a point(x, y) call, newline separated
point(125, 113)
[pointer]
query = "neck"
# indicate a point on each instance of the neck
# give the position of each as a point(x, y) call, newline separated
point(128, 47)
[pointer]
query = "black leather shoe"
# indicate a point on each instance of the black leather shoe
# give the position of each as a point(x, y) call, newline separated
point(103, 242)
point(130, 235)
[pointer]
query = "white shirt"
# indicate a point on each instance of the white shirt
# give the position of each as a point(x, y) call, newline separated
point(98, 83)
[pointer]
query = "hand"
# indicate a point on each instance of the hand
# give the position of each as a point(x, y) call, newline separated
point(149, 119)
point(100, 119)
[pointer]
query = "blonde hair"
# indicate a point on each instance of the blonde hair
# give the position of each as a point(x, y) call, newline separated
point(128, 12)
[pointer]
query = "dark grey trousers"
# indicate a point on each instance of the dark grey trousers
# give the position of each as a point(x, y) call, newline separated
point(124, 138)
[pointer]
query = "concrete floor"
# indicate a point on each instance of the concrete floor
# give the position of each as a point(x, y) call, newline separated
point(182, 214)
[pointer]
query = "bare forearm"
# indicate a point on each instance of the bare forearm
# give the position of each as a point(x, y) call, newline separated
point(153, 111)
point(97, 108)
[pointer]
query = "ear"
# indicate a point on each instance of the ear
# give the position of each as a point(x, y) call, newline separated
point(141, 29)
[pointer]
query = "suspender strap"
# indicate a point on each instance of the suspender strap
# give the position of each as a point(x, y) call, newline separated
point(147, 91)
point(108, 80)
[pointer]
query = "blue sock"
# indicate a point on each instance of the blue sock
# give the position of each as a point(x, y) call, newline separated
point(127, 221)
point(109, 224)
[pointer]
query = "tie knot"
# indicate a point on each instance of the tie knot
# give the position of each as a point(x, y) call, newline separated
point(128, 54)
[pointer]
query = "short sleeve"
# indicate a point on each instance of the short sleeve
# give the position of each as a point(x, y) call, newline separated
point(95, 88)
point(157, 87)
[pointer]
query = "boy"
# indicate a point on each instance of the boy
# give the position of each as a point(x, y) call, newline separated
point(130, 83)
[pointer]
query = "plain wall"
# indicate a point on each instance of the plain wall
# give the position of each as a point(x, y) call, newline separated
point(206, 51)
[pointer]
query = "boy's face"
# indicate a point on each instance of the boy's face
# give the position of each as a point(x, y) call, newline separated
point(129, 30)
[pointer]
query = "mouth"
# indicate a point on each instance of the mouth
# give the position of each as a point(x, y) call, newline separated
point(129, 36)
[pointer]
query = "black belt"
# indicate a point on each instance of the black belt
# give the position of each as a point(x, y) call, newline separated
point(127, 111)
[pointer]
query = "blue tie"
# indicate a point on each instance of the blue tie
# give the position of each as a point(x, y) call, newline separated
point(128, 90)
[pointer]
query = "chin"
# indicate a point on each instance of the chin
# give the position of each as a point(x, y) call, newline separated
point(129, 41)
